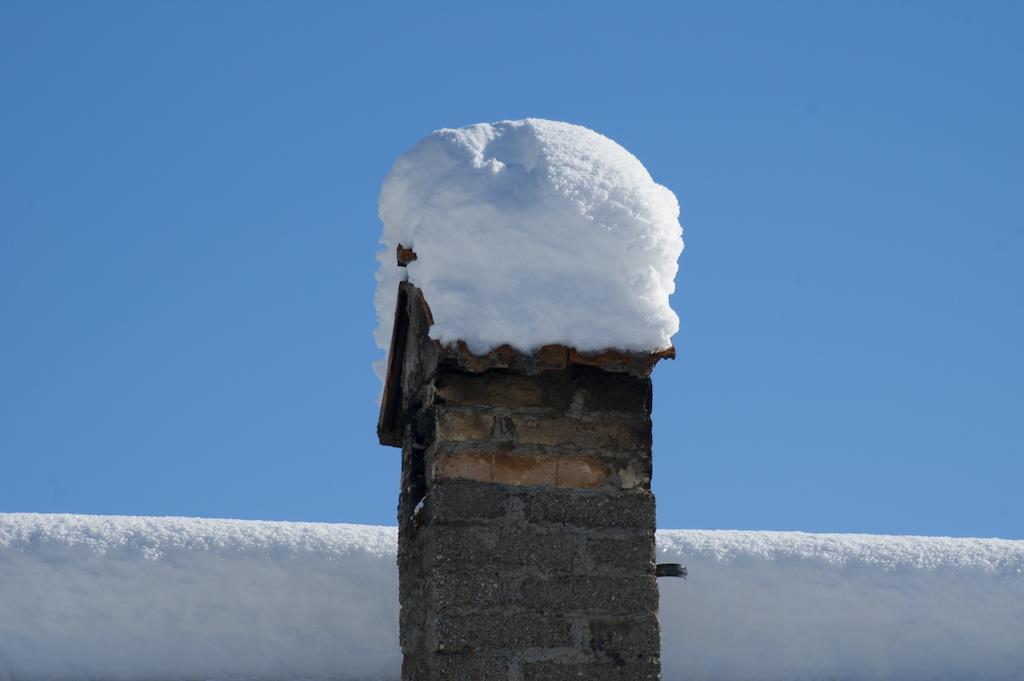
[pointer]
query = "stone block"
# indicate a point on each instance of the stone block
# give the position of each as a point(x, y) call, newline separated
point(463, 426)
point(414, 666)
point(481, 589)
point(505, 390)
point(510, 632)
point(590, 594)
point(543, 430)
point(620, 509)
point(640, 670)
point(456, 501)
point(617, 433)
point(472, 548)
point(605, 391)
point(633, 553)
point(470, 668)
point(624, 639)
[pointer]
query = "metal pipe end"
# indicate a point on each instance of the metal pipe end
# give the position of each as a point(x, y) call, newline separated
point(670, 570)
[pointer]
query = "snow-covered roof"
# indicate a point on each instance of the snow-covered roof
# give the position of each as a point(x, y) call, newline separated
point(148, 599)
point(531, 233)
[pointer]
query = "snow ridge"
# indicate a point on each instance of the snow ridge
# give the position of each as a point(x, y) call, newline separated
point(145, 599)
point(884, 553)
point(781, 606)
point(122, 598)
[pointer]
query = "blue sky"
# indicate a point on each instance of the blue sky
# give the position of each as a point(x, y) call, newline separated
point(188, 229)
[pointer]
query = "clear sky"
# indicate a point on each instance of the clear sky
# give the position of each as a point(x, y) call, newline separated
point(188, 227)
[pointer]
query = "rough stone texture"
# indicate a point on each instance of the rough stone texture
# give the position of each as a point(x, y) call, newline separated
point(471, 668)
point(509, 633)
point(604, 552)
point(633, 509)
point(526, 521)
point(592, 671)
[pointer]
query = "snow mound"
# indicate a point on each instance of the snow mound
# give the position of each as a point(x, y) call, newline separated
point(530, 233)
point(781, 606)
point(148, 599)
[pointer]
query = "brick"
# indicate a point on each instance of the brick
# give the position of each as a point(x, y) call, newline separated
point(462, 426)
point(545, 430)
point(580, 472)
point(455, 501)
point(524, 469)
point(470, 465)
point(640, 670)
point(496, 389)
point(610, 434)
point(623, 509)
point(501, 632)
point(470, 668)
point(581, 594)
point(605, 391)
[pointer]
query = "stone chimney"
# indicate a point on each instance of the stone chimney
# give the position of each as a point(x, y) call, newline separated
point(526, 519)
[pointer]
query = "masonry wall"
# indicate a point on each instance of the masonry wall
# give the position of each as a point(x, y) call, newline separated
point(526, 523)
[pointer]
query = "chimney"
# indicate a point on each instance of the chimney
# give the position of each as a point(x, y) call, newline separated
point(526, 518)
